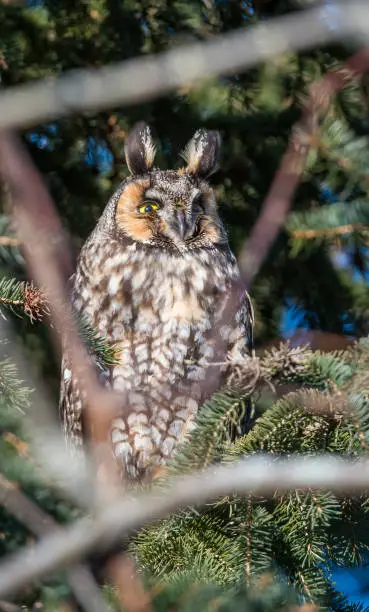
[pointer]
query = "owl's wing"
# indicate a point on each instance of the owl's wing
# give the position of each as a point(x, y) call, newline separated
point(241, 345)
point(242, 337)
point(72, 399)
point(70, 409)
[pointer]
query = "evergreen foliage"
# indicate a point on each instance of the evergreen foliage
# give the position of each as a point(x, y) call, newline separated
point(238, 553)
point(104, 354)
point(301, 535)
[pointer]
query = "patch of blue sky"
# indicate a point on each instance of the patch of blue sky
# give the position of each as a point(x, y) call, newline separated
point(327, 194)
point(359, 276)
point(99, 155)
point(348, 325)
point(341, 258)
point(353, 583)
point(248, 8)
point(41, 139)
point(293, 318)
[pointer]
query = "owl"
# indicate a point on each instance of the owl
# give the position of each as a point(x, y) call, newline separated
point(157, 278)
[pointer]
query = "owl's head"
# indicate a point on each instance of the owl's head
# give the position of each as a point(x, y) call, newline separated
point(169, 208)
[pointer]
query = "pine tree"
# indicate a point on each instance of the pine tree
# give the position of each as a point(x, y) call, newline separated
point(239, 553)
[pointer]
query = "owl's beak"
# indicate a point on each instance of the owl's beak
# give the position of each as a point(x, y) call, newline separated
point(181, 224)
point(182, 227)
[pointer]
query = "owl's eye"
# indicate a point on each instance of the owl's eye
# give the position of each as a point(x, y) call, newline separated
point(148, 207)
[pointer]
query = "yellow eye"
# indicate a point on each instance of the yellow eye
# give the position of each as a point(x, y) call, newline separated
point(148, 207)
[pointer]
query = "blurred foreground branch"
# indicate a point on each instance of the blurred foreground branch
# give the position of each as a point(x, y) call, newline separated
point(261, 475)
point(72, 479)
point(38, 522)
point(39, 228)
point(145, 78)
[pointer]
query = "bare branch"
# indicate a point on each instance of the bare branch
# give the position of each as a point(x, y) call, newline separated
point(44, 240)
point(129, 589)
point(340, 230)
point(38, 522)
point(287, 179)
point(86, 590)
point(145, 78)
point(261, 475)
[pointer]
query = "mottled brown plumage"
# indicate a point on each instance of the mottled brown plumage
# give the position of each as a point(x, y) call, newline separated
point(157, 278)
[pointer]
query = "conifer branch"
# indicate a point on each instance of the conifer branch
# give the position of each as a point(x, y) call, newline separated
point(105, 354)
point(340, 146)
point(248, 548)
point(330, 220)
point(340, 230)
point(323, 414)
point(13, 394)
point(38, 417)
point(9, 241)
point(23, 297)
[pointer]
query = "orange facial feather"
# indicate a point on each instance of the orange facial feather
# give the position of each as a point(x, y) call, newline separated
point(127, 217)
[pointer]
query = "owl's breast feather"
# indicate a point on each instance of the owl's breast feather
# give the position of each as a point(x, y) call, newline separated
point(165, 316)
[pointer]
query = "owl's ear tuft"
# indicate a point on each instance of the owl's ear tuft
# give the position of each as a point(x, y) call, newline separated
point(139, 149)
point(202, 153)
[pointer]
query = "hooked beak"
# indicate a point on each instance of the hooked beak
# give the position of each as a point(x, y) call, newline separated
point(183, 228)
point(182, 225)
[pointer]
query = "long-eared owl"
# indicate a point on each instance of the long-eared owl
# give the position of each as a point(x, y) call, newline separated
point(157, 278)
